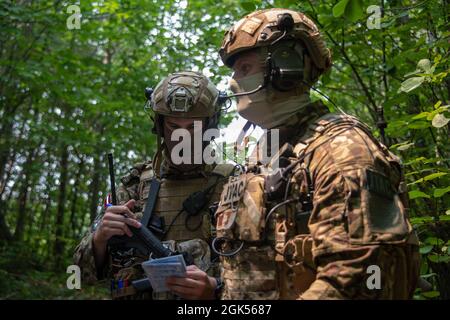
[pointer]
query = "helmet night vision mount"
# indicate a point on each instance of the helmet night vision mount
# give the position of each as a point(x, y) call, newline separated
point(185, 94)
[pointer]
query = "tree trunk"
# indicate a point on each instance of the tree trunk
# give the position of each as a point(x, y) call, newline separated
point(5, 233)
point(23, 196)
point(95, 188)
point(59, 242)
point(74, 200)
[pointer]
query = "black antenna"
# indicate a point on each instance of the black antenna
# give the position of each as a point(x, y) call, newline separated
point(112, 179)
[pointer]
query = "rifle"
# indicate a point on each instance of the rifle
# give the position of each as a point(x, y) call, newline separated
point(143, 239)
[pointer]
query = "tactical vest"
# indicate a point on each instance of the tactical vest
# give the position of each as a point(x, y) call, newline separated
point(174, 192)
point(262, 236)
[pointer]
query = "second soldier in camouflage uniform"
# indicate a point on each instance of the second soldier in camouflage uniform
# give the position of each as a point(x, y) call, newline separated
point(178, 101)
point(337, 209)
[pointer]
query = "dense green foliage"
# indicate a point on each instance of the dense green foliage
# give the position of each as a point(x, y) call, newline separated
point(69, 96)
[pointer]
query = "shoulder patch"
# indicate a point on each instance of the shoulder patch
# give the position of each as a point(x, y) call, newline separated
point(379, 184)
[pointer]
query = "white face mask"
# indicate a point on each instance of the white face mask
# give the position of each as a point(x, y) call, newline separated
point(266, 108)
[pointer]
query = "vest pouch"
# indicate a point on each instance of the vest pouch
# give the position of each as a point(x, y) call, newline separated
point(241, 212)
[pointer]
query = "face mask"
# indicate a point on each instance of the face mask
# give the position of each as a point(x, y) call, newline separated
point(267, 108)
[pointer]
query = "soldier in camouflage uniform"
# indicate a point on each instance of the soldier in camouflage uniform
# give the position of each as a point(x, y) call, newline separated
point(178, 101)
point(336, 208)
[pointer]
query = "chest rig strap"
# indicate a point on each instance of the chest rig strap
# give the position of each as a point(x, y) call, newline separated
point(150, 207)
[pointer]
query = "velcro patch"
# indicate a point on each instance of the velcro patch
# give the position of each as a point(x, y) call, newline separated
point(251, 25)
point(379, 184)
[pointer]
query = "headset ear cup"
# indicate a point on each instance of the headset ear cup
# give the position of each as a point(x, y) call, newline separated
point(158, 123)
point(287, 66)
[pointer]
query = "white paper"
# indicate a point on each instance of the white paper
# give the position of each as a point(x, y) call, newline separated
point(157, 271)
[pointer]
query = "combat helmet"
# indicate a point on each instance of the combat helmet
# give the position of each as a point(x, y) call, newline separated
point(185, 94)
point(265, 29)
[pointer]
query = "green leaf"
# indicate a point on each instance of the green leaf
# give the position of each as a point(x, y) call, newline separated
point(421, 115)
point(439, 121)
point(411, 84)
point(431, 115)
point(425, 249)
point(339, 8)
point(406, 146)
point(434, 241)
point(414, 194)
point(437, 104)
point(439, 258)
point(434, 176)
point(248, 5)
point(421, 220)
point(419, 125)
point(431, 294)
point(439, 192)
point(354, 10)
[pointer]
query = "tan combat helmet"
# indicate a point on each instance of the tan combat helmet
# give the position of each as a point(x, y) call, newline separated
point(262, 28)
point(186, 94)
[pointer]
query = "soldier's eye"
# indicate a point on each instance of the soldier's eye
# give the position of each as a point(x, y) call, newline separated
point(172, 125)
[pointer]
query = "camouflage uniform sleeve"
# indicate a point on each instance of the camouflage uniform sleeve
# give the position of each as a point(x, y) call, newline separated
point(356, 208)
point(84, 258)
point(84, 252)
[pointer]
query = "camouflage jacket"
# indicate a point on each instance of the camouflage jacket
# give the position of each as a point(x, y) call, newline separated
point(358, 218)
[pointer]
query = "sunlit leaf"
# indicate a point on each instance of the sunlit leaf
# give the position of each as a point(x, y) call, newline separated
point(421, 115)
point(434, 176)
point(439, 121)
point(405, 146)
point(425, 66)
point(411, 84)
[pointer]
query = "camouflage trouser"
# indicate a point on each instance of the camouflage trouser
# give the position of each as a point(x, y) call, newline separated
point(346, 275)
